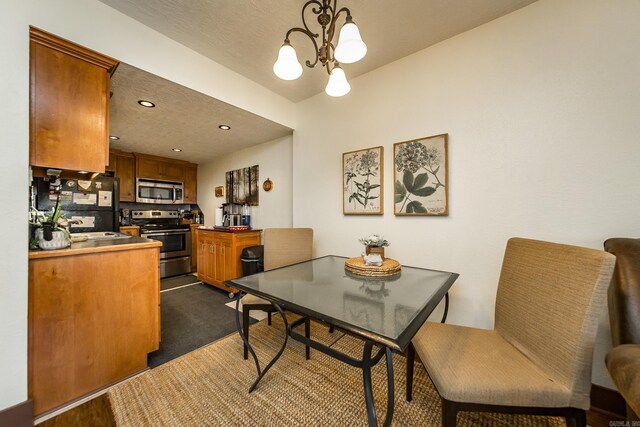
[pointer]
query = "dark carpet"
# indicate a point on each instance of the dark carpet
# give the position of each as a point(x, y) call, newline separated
point(174, 282)
point(191, 317)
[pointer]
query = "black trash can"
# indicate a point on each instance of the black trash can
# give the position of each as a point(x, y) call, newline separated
point(252, 259)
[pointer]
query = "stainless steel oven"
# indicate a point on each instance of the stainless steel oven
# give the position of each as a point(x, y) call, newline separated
point(153, 191)
point(163, 226)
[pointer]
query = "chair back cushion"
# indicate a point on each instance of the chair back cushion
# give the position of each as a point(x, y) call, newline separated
point(550, 297)
point(286, 246)
point(624, 292)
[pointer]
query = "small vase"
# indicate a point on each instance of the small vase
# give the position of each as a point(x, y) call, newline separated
point(58, 241)
point(375, 250)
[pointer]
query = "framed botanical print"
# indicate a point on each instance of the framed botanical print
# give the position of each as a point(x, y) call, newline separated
point(362, 182)
point(420, 175)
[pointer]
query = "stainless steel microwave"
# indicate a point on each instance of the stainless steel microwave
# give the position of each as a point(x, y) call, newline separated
point(154, 191)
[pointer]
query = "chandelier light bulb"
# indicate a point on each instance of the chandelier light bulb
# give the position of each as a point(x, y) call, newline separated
point(350, 47)
point(287, 66)
point(338, 84)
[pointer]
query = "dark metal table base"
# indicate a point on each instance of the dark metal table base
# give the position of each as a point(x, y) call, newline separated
point(367, 362)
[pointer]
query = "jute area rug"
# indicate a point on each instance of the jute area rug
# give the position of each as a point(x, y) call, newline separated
point(208, 387)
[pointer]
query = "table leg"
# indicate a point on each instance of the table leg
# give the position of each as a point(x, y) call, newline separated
point(253, 354)
point(368, 390)
point(242, 335)
point(446, 308)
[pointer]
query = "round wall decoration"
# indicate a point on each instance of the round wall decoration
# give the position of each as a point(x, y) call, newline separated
point(267, 185)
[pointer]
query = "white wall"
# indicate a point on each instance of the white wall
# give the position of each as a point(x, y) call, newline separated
point(541, 107)
point(274, 158)
point(97, 26)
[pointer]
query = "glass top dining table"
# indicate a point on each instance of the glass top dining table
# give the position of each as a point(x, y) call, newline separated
point(387, 310)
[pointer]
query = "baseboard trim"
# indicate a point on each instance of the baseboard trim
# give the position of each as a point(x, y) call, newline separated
point(607, 401)
point(20, 415)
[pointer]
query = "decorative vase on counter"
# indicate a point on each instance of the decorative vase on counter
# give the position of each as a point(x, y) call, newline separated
point(375, 250)
point(59, 239)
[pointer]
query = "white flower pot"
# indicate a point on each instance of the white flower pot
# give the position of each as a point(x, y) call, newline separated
point(59, 240)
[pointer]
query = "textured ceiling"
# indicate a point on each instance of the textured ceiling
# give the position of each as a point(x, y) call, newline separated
point(182, 118)
point(245, 35)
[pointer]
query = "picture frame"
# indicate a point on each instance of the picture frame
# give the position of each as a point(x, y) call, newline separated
point(420, 176)
point(242, 186)
point(363, 182)
point(219, 191)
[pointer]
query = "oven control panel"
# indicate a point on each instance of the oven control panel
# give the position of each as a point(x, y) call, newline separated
point(154, 214)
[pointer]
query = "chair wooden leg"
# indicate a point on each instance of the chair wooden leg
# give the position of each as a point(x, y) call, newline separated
point(577, 419)
point(411, 357)
point(307, 334)
point(449, 413)
point(269, 318)
point(245, 329)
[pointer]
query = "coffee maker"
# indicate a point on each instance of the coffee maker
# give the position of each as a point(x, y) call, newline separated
point(231, 214)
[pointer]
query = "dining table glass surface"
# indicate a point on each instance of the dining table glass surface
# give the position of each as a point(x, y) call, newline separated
point(382, 306)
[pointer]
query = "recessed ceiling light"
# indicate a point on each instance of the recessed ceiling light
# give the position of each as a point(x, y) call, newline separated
point(113, 137)
point(177, 150)
point(147, 104)
point(224, 127)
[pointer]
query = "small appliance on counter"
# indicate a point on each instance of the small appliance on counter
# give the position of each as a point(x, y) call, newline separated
point(165, 226)
point(231, 214)
point(125, 217)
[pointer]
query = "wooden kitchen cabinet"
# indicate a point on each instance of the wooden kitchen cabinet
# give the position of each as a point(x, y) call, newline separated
point(69, 104)
point(131, 230)
point(190, 183)
point(125, 170)
point(163, 169)
point(94, 315)
point(219, 255)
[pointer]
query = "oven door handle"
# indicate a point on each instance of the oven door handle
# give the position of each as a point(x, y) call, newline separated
point(164, 233)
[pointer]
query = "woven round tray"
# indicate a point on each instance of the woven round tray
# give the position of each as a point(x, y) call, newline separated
point(357, 266)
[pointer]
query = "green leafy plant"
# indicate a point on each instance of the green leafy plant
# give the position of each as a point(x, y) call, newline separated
point(53, 219)
point(374, 240)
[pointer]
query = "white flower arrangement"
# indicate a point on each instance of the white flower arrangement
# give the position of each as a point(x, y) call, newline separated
point(374, 240)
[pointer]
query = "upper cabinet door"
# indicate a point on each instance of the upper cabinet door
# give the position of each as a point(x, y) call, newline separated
point(190, 184)
point(69, 104)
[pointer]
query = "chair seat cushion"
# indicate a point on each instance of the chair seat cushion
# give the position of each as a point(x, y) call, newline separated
point(623, 363)
point(479, 366)
point(249, 299)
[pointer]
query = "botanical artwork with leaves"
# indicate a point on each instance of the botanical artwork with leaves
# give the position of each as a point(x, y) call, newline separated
point(420, 176)
point(362, 182)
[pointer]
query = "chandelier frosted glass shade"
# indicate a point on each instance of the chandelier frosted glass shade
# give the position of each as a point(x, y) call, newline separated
point(338, 84)
point(287, 66)
point(350, 47)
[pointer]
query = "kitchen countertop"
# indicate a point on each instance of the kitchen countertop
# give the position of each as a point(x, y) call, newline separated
point(95, 246)
point(221, 230)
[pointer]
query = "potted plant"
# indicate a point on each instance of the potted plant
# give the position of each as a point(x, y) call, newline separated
point(51, 229)
point(374, 244)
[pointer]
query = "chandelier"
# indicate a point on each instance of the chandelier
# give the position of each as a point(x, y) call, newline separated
point(350, 47)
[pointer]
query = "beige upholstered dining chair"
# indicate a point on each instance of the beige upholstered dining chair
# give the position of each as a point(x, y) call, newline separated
point(282, 246)
point(538, 358)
